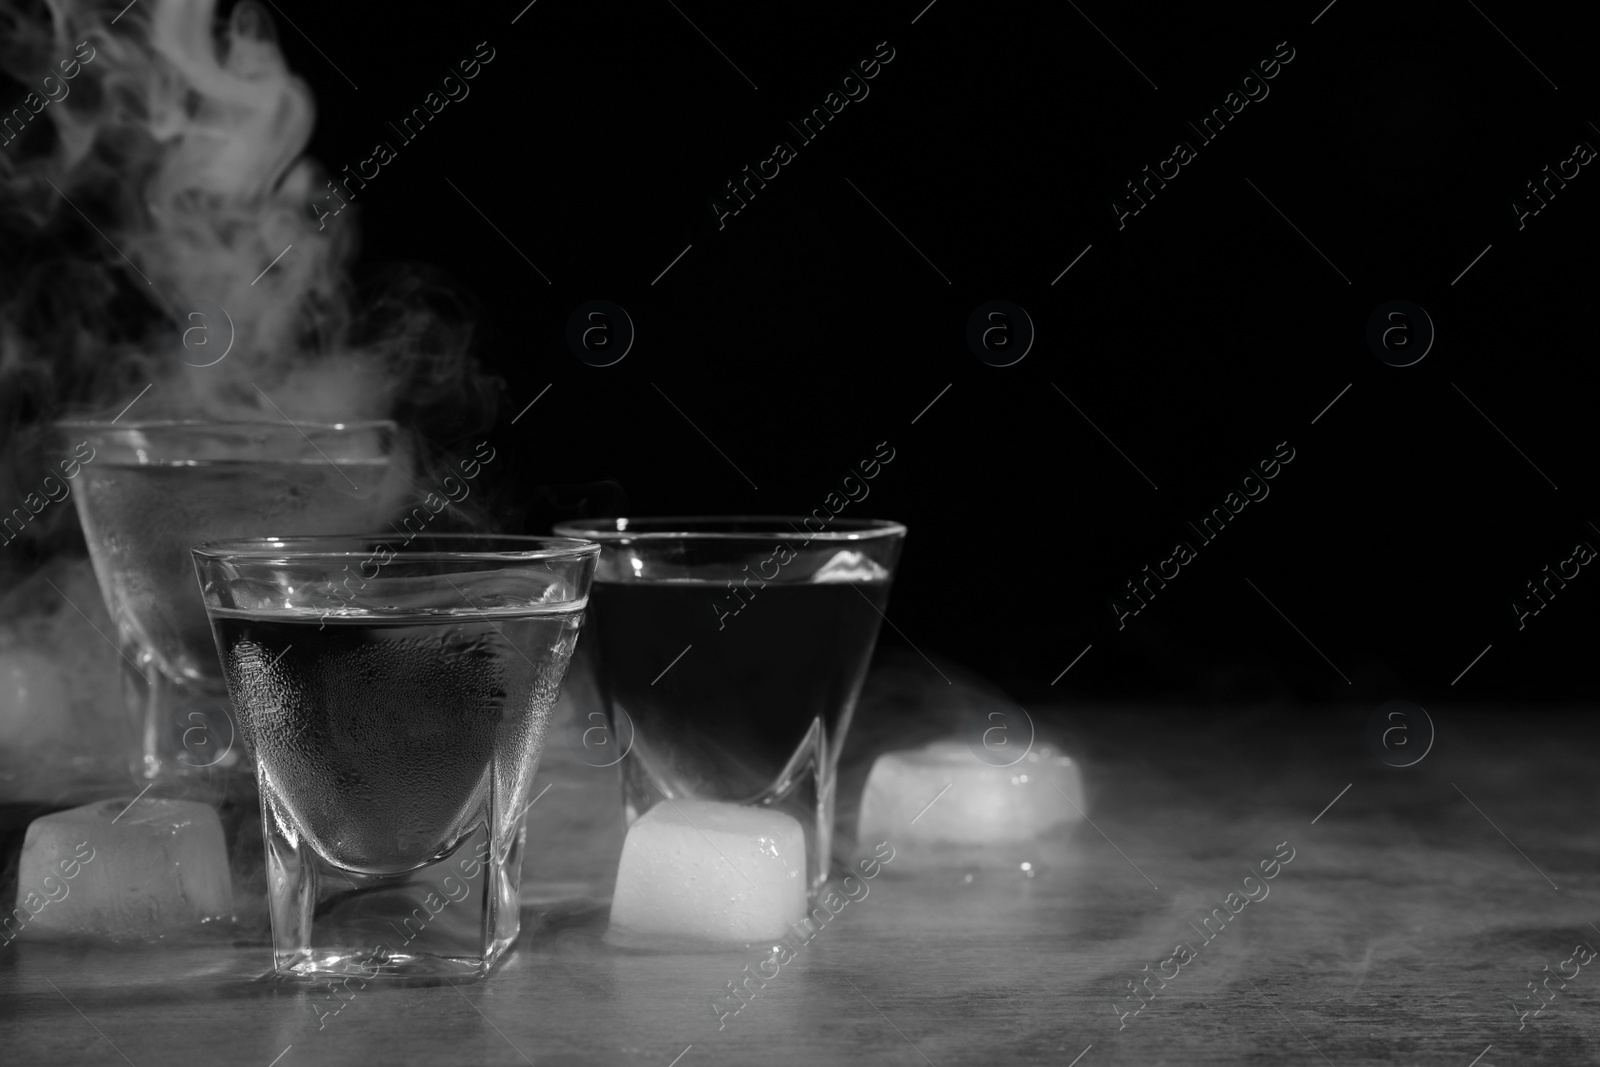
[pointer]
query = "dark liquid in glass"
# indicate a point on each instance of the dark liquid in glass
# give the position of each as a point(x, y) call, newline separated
point(737, 704)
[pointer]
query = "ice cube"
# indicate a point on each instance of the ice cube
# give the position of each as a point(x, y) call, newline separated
point(944, 794)
point(709, 871)
point(111, 870)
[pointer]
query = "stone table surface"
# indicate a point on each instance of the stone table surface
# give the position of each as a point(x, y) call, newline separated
point(1419, 903)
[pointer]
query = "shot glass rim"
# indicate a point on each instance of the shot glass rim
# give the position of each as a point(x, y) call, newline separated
point(199, 424)
point(277, 548)
point(674, 529)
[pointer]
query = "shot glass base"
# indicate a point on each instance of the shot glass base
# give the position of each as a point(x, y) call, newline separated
point(400, 965)
point(453, 918)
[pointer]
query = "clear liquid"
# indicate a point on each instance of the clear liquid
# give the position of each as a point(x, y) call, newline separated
point(384, 742)
point(141, 520)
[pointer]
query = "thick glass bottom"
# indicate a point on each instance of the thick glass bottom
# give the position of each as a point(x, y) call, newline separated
point(453, 918)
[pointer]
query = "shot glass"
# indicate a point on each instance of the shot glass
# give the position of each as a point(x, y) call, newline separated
point(396, 701)
point(149, 491)
point(731, 650)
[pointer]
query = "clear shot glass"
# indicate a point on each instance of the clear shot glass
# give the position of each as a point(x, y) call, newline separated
point(150, 490)
point(395, 699)
point(731, 651)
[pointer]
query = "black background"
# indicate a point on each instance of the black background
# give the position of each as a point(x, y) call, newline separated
point(1197, 338)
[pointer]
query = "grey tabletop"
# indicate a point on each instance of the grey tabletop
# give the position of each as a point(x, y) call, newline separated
point(1418, 906)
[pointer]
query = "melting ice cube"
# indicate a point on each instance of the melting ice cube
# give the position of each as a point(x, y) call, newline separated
point(110, 870)
point(703, 870)
point(977, 803)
